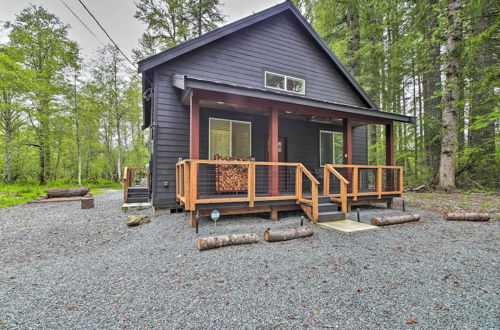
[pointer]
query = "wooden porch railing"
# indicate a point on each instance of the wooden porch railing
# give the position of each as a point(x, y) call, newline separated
point(362, 180)
point(199, 182)
point(128, 176)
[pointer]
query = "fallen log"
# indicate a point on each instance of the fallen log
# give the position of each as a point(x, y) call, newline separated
point(66, 192)
point(288, 234)
point(467, 216)
point(214, 242)
point(382, 221)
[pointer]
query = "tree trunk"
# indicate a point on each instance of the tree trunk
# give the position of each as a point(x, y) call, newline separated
point(394, 220)
point(66, 192)
point(431, 81)
point(288, 234)
point(467, 216)
point(7, 173)
point(353, 44)
point(449, 142)
point(225, 240)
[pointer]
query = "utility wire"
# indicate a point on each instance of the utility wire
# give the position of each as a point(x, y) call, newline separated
point(83, 23)
point(109, 37)
point(95, 36)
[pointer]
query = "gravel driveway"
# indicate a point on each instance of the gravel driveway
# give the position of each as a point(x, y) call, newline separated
point(63, 267)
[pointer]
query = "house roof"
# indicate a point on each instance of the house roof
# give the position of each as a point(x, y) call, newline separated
point(216, 34)
point(188, 83)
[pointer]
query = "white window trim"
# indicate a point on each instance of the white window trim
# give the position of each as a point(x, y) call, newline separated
point(230, 134)
point(285, 77)
point(333, 145)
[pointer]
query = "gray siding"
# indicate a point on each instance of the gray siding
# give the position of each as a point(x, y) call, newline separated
point(277, 44)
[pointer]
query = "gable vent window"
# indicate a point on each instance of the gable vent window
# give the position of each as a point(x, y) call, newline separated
point(285, 83)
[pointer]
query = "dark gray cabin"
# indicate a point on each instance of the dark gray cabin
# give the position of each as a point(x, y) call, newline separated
point(215, 95)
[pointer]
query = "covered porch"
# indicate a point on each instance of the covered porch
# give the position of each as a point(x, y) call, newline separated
point(299, 156)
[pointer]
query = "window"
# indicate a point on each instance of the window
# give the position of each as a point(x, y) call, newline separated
point(229, 138)
point(285, 83)
point(331, 145)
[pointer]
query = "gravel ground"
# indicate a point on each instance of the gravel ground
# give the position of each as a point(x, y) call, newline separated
point(63, 267)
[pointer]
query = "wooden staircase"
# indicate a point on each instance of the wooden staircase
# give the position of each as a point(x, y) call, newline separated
point(137, 195)
point(327, 210)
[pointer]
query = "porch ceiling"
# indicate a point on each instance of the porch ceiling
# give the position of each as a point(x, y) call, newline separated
point(260, 98)
point(218, 105)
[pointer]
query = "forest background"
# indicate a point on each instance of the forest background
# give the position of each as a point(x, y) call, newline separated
point(67, 120)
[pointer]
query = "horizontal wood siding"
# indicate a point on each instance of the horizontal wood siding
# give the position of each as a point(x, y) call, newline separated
point(277, 44)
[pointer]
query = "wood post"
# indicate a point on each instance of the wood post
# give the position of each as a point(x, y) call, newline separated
point(389, 155)
point(192, 219)
point(347, 135)
point(326, 182)
point(390, 203)
point(343, 197)
point(193, 182)
point(355, 183)
point(273, 215)
point(194, 127)
point(315, 208)
point(298, 182)
point(379, 182)
point(273, 151)
point(187, 185)
point(251, 184)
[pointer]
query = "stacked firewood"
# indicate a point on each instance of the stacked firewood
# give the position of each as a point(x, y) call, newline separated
point(231, 178)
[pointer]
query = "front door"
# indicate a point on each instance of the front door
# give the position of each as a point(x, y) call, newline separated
point(282, 149)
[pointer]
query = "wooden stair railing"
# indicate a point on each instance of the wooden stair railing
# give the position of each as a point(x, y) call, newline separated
point(128, 174)
point(343, 185)
point(312, 210)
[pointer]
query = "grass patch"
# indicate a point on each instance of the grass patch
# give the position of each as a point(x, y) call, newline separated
point(22, 192)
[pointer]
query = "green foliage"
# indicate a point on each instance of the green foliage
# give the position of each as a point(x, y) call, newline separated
point(170, 22)
point(395, 50)
point(61, 117)
point(25, 191)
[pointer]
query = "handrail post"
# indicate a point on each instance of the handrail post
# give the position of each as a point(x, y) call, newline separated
point(379, 182)
point(401, 181)
point(187, 185)
point(298, 182)
point(193, 181)
point(125, 184)
point(326, 181)
point(343, 196)
point(314, 194)
point(251, 185)
point(355, 184)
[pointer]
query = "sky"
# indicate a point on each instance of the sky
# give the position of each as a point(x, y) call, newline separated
point(116, 16)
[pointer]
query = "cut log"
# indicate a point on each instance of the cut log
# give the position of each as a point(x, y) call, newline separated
point(467, 216)
point(214, 242)
point(87, 203)
point(394, 220)
point(66, 192)
point(288, 234)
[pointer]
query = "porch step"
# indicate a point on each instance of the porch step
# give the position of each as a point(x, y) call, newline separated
point(137, 195)
point(327, 207)
point(330, 216)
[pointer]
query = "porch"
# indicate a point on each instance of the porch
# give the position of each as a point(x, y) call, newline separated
point(273, 186)
point(288, 160)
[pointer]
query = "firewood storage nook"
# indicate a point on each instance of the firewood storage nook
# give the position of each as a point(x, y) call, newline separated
point(231, 178)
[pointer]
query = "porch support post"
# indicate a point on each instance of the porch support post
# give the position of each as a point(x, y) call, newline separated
point(389, 157)
point(347, 135)
point(273, 151)
point(347, 125)
point(194, 127)
point(389, 145)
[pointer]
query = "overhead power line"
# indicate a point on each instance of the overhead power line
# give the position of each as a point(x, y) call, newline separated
point(83, 23)
point(107, 34)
